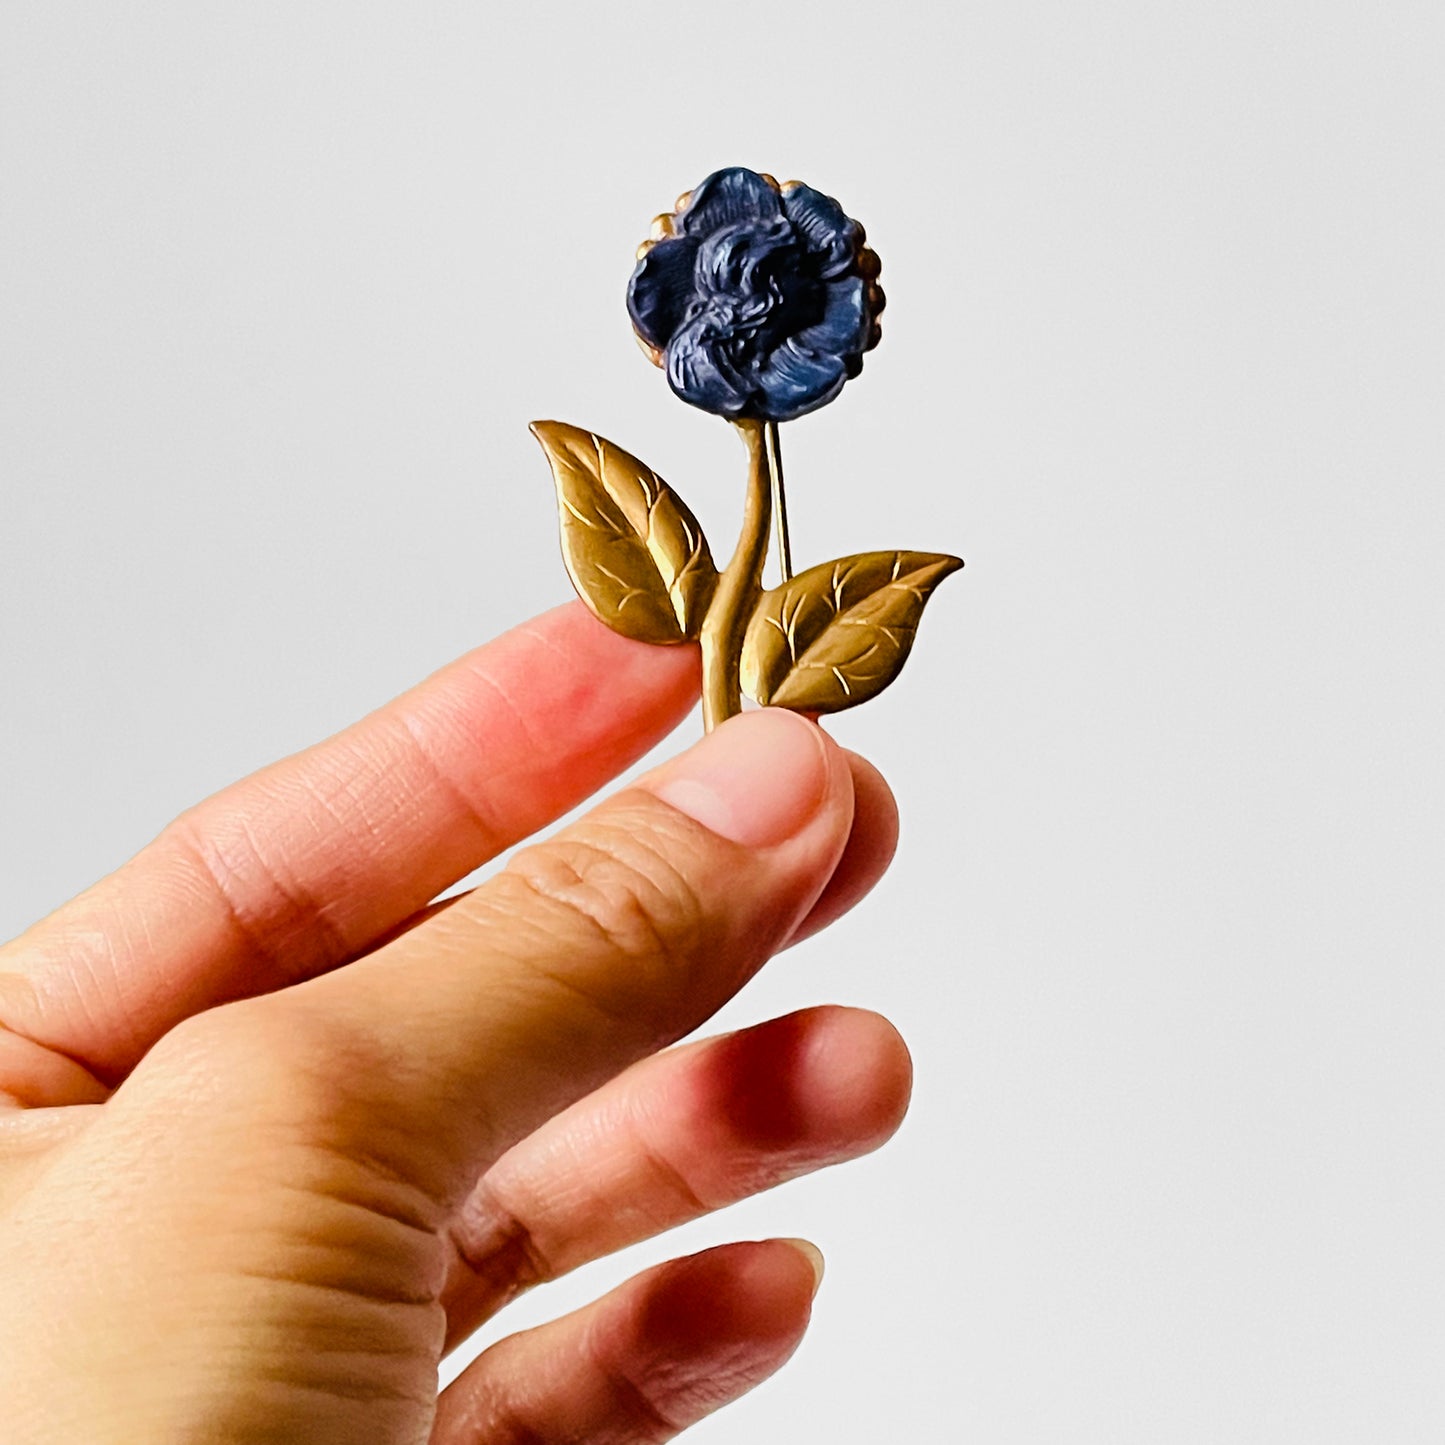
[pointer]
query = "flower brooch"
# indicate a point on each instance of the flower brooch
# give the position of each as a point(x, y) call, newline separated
point(758, 301)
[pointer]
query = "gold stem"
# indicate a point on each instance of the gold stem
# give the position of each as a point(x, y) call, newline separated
point(738, 590)
point(780, 501)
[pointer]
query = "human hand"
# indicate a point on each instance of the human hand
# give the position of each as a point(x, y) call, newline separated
point(279, 1134)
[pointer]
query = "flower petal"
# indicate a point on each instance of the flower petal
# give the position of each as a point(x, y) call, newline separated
point(660, 289)
point(846, 321)
point(736, 194)
point(699, 372)
point(795, 380)
point(822, 221)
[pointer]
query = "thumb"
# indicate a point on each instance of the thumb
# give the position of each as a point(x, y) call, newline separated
point(590, 950)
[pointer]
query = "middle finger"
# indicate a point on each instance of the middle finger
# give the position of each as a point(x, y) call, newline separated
point(676, 1136)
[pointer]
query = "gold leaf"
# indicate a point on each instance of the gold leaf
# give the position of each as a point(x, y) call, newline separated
point(636, 555)
point(839, 633)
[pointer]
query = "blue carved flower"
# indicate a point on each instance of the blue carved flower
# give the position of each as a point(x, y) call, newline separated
point(758, 300)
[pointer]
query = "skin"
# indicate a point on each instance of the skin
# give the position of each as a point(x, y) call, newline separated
point(276, 1134)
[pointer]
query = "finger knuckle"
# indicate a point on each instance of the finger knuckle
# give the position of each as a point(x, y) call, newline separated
point(496, 1241)
point(282, 930)
point(641, 1398)
point(612, 891)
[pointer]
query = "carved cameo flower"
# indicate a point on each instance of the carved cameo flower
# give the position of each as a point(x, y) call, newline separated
point(758, 300)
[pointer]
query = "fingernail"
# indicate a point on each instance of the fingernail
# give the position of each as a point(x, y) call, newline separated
point(813, 1255)
point(756, 780)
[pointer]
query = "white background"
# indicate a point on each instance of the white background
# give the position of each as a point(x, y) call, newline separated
point(281, 286)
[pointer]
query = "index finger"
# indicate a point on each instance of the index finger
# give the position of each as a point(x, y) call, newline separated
point(316, 858)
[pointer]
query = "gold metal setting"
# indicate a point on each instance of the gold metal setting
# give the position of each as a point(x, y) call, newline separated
point(838, 634)
point(827, 639)
point(636, 555)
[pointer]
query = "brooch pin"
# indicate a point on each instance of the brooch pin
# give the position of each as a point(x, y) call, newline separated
point(758, 302)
